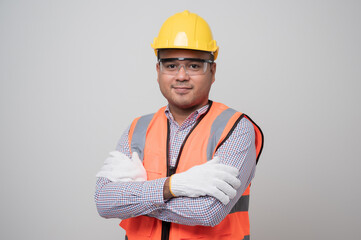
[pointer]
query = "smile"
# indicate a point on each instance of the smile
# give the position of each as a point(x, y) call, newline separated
point(182, 89)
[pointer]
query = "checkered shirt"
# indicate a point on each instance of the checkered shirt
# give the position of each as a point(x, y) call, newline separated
point(131, 199)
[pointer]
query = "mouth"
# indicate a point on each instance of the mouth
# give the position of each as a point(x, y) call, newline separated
point(181, 89)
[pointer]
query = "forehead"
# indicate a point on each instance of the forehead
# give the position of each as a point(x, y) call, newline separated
point(183, 53)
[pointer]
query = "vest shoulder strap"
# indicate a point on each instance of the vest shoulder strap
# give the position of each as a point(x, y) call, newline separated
point(217, 129)
point(137, 134)
point(259, 141)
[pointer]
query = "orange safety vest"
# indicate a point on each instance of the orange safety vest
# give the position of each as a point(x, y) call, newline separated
point(149, 136)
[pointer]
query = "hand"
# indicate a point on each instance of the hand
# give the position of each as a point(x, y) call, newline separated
point(212, 178)
point(119, 168)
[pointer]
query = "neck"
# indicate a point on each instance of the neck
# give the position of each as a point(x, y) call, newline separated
point(181, 114)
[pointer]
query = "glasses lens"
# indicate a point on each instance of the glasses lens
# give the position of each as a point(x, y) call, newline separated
point(191, 66)
point(169, 67)
point(196, 68)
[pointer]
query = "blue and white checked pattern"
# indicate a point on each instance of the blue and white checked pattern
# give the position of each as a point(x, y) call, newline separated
point(125, 200)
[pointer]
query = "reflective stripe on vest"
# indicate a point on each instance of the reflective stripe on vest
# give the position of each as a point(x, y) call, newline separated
point(241, 205)
point(138, 138)
point(246, 237)
point(217, 129)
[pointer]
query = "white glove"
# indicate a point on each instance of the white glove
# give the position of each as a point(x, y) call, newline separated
point(120, 168)
point(212, 178)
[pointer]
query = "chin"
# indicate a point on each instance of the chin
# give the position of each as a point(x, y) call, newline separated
point(183, 103)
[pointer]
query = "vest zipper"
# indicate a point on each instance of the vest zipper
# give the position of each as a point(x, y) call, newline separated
point(166, 225)
point(171, 171)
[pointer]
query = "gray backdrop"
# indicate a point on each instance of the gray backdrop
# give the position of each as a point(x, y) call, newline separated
point(74, 73)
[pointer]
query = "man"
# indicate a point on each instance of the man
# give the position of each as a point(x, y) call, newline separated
point(183, 172)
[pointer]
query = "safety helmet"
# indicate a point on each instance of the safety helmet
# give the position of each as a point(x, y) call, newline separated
point(186, 30)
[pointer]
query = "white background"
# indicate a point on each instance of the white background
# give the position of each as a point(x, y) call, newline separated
point(73, 74)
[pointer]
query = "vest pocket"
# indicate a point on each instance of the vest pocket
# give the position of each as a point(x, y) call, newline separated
point(138, 226)
point(218, 237)
point(155, 169)
point(219, 232)
point(152, 175)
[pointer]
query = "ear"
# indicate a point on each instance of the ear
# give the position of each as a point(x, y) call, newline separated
point(158, 71)
point(213, 71)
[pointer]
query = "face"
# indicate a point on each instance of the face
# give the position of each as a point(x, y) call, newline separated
point(184, 92)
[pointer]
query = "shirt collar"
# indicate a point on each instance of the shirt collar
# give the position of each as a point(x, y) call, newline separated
point(192, 117)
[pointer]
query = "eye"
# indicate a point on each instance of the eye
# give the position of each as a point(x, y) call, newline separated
point(195, 66)
point(170, 66)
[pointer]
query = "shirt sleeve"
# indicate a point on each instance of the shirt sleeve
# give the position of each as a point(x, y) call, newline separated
point(238, 151)
point(131, 199)
point(127, 199)
point(123, 143)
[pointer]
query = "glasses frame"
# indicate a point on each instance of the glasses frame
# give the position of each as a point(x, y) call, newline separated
point(162, 60)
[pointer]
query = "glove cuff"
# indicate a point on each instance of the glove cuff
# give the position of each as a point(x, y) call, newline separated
point(179, 186)
point(170, 186)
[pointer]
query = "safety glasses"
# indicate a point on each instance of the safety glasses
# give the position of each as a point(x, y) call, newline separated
point(192, 66)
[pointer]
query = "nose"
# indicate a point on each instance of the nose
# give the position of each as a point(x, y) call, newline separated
point(182, 74)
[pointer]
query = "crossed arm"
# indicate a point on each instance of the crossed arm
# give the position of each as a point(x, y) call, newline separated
point(130, 199)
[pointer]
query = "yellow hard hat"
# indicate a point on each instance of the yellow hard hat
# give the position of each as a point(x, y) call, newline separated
point(186, 30)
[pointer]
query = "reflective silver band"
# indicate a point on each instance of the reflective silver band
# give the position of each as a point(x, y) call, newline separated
point(217, 129)
point(139, 134)
point(241, 205)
